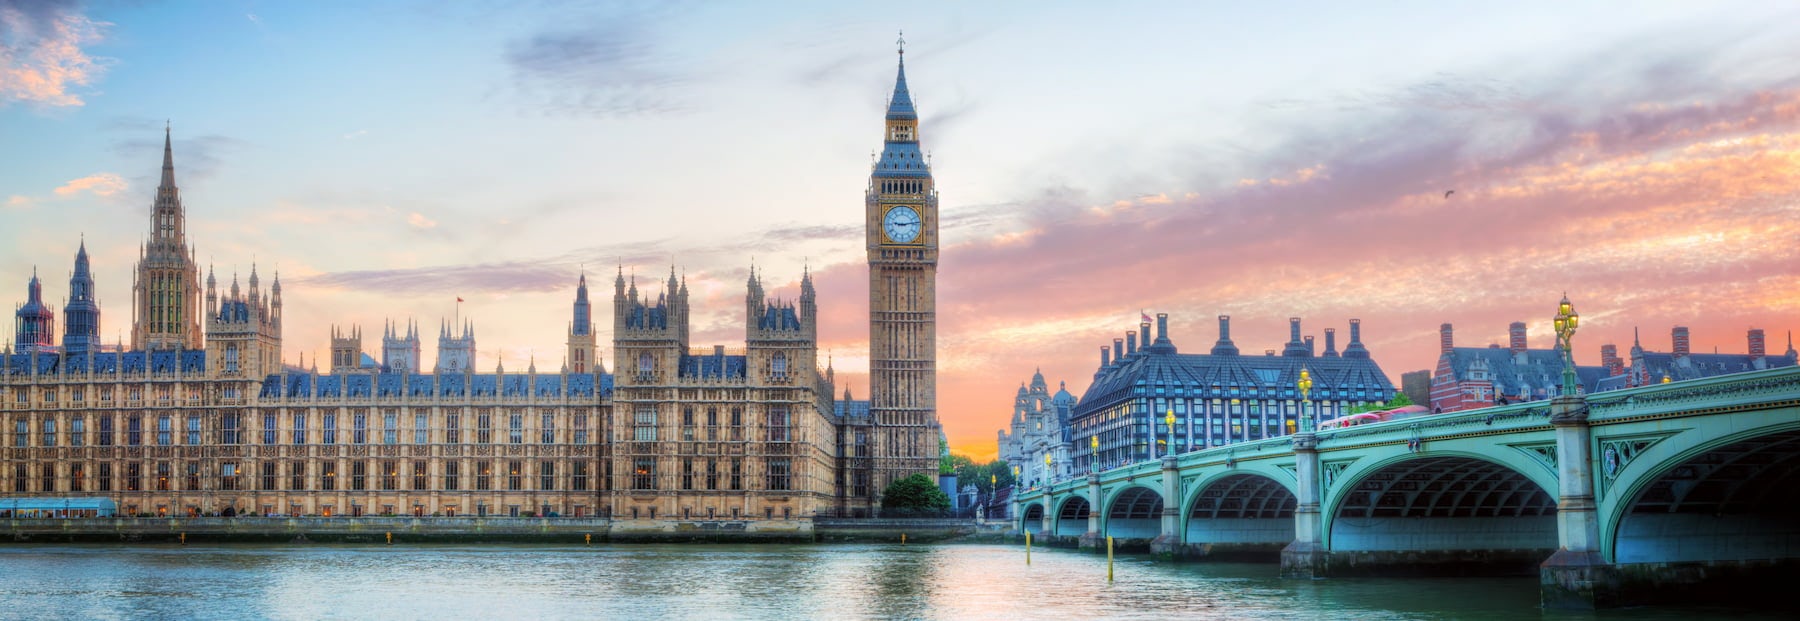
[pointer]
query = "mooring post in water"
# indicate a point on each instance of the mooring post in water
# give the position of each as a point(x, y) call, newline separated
point(184, 539)
point(1027, 547)
point(902, 538)
point(1109, 573)
point(589, 538)
point(390, 537)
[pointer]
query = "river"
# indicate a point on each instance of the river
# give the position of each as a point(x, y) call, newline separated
point(872, 581)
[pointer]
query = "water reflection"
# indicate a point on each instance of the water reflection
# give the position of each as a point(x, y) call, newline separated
point(712, 582)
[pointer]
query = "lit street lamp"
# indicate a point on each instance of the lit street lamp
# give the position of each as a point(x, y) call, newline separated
point(1170, 419)
point(1567, 320)
point(1049, 474)
point(1305, 385)
point(1094, 445)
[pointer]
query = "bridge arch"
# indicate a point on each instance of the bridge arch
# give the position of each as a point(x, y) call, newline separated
point(1470, 511)
point(1732, 498)
point(1072, 516)
point(1240, 510)
point(1031, 518)
point(1135, 512)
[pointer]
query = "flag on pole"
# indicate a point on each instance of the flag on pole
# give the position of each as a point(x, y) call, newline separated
point(1145, 315)
point(459, 299)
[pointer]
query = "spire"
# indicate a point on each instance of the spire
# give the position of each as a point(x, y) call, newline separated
point(168, 170)
point(1790, 350)
point(900, 106)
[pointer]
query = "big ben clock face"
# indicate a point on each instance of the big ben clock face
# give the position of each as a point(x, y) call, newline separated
point(901, 224)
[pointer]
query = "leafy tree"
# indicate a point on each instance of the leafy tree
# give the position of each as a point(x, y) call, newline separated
point(984, 476)
point(1400, 400)
point(916, 493)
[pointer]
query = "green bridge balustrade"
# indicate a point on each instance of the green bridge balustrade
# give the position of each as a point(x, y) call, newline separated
point(1672, 491)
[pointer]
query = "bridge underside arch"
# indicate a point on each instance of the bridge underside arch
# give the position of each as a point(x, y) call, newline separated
point(1242, 509)
point(1072, 517)
point(1032, 519)
point(1466, 511)
point(1738, 502)
point(1136, 513)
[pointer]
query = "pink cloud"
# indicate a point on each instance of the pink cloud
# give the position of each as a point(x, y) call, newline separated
point(43, 58)
point(99, 184)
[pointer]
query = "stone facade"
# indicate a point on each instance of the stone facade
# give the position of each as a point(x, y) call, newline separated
point(184, 421)
point(1040, 428)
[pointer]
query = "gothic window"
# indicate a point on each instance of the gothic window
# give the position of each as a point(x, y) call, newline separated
point(484, 476)
point(451, 472)
point(328, 431)
point(687, 423)
point(228, 428)
point(418, 475)
point(737, 475)
point(328, 474)
point(77, 431)
point(104, 481)
point(484, 427)
point(421, 430)
point(643, 474)
point(737, 424)
point(645, 365)
point(778, 475)
point(517, 428)
point(580, 477)
point(581, 428)
point(359, 475)
point(228, 476)
point(453, 427)
point(165, 429)
point(231, 358)
point(297, 475)
point(134, 430)
point(548, 429)
point(21, 433)
point(359, 430)
point(778, 423)
point(269, 433)
point(687, 473)
point(390, 427)
point(778, 366)
point(645, 430)
point(390, 475)
point(546, 475)
point(193, 476)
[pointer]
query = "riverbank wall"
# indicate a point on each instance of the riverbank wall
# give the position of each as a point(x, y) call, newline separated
point(483, 530)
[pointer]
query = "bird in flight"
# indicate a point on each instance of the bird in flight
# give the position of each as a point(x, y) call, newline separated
point(1447, 193)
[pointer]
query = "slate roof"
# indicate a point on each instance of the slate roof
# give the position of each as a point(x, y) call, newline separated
point(1540, 375)
point(851, 408)
point(713, 366)
point(426, 386)
point(1660, 364)
point(187, 361)
point(1156, 373)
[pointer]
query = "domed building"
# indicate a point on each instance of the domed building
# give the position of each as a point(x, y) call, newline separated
point(1040, 427)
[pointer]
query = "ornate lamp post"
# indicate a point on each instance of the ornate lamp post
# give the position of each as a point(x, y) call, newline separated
point(1170, 419)
point(1049, 472)
point(1094, 446)
point(1567, 320)
point(1016, 481)
point(1305, 385)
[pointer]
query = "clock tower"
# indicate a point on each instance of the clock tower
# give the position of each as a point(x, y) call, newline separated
point(901, 216)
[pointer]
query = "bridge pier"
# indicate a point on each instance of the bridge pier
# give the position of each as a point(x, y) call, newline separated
point(1168, 543)
point(1306, 556)
point(1092, 539)
point(1577, 576)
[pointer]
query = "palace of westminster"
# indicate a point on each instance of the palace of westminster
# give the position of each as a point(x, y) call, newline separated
point(198, 414)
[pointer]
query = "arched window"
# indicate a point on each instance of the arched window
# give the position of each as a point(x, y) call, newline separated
point(778, 366)
point(645, 364)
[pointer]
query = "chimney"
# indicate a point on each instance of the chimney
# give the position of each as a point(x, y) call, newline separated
point(1309, 345)
point(1131, 342)
point(1355, 349)
point(1609, 358)
point(1118, 350)
point(1758, 348)
point(1224, 347)
point(1680, 336)
point(1162, 329)
point(1445, 342)
point(1105, 356)
point(1331, 343)
point(1144, 335)
point(1516, 337)
point(1294, 346)
point(718, 350)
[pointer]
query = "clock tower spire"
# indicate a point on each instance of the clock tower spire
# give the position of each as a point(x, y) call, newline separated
point(901, 217)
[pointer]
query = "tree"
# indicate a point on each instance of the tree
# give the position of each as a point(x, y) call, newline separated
point(1400, 400)
point(984, 476)
point(914, 494)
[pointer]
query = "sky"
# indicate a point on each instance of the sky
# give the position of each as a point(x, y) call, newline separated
point(1407, 164)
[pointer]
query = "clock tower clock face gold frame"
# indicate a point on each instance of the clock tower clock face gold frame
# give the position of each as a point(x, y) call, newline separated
point(902, 224)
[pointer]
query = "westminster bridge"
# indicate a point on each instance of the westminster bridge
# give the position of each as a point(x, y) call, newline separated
point(1659, 493)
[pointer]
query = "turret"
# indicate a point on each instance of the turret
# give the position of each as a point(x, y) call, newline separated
point(81, 315)
point(36, 322)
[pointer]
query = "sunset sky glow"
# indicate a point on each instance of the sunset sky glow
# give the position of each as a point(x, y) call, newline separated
point(1093, 161)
